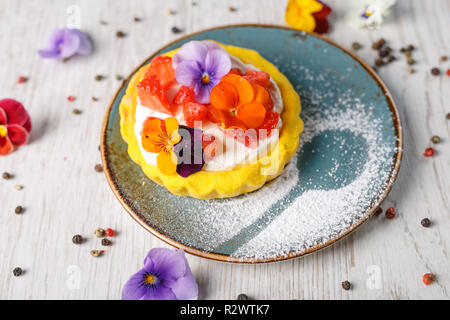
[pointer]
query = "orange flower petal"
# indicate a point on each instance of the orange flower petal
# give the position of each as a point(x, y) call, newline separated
point(172, 130)
point(263, 96)
point(252, 114)
point(224, 96)
point(242, 86)
point(167, 161)
point(153, 138)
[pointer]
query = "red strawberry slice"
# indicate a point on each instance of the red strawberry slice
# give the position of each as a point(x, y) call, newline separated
point(184, 95)
point(270, 122)
point(161, 68)
point(236, 71)
point(249, 137)
point(209, 146)
point(152, 95)
point(194, 112)
point(258, 77)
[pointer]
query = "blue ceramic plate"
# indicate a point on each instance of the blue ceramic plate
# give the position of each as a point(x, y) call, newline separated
point(348, 158)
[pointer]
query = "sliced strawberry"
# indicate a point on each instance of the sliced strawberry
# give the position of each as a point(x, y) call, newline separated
point(184, 95)
point(194, 112)
point(236, 71)
point(152, 95)
point(247, 137)
point(258, 77)
point(270, 122)
point(209, 145)
point(161, 68)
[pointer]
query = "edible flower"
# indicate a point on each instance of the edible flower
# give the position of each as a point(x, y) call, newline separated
point(201, 65)
point(165, 276)
point(308, 15)
point(371, 14)
point(65, 43)
point(189, 151)
point(160, 137)
point(239, 103)
point(15, 125)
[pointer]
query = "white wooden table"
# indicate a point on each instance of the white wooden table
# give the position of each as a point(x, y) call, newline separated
point(63, 195)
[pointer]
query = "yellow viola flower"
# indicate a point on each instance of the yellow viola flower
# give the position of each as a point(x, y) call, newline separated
point(161, 137)
point(299, 14)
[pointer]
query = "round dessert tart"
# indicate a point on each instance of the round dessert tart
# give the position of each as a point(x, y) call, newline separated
point(210, 121)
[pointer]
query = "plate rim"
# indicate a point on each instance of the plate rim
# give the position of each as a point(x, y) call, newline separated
point(398, 154)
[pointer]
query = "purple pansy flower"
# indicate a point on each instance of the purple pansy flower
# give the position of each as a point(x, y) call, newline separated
point(201, 65)
point(166, 276)
point(65, 43)
point(189, 151)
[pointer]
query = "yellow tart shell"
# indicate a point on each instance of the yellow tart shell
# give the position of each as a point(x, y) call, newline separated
point(222, 184)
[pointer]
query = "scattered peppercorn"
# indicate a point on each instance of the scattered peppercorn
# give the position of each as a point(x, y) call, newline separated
point(383, 53)
point(119, 77)
point(447, 72)
point(425, 222)
point(121, 34)
point(110, 232)
point(18, 210)
point(22, 79)
point(379, 62)
point(94, 99)
point(77, 111)
point(428, 278)
point(106, 242)
point(176, 30)
point(194, 4)
point(443, 58)
point(390, 58)
point(346, 285)
point(356, 46)
point(96, 253)
point(6, 175)
point(232, 9)
point(410, 47)
point(99, 232)
point(17, 272)
point(18, 187)
point(410, 61)
point(390, 213)
point(137, 19)
point(402, 50)
point(435, 71)
point(429, 152)
point(71, 98)
point(171, 12)
point(410, 69)
point(378, 212)
point(447, 116)
point(77, 239)
point(242, 296)
point(435, 139)
point(99, 77)
point(103, 23)
point(98, 168)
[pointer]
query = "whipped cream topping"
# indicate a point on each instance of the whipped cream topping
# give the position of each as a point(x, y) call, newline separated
point(230, 153)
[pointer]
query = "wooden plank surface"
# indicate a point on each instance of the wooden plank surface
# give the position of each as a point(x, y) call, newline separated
point(63, 195)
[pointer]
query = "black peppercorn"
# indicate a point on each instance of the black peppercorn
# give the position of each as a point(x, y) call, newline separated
point(176, 30)
point(379, 62)
point(346, 285)
point(435, 71)
point(410, 47)
point(77, 239)
point(106, 242)
point(17, 272)
point(6, 176)
point(120, 34)
point(378, 212)
point(18, 210)
point(425, 222)
point(98, 168)
point(356, 46)
point(242, 296)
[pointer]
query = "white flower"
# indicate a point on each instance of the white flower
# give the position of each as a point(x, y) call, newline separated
point(370, 13)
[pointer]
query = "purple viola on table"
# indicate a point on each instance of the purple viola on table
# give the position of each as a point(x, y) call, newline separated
point(201, 65)
point(165, 276)
point(65, 43)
